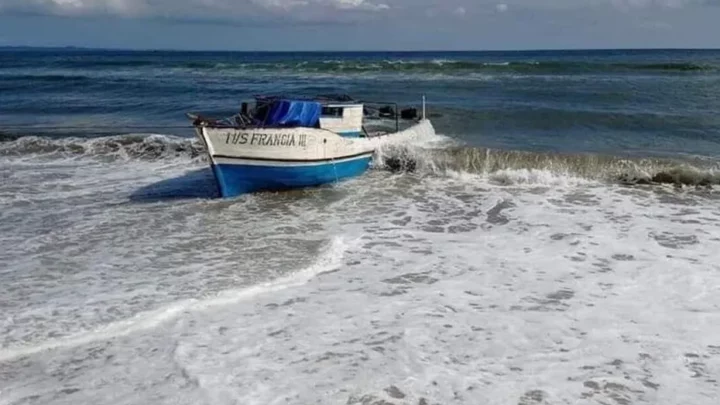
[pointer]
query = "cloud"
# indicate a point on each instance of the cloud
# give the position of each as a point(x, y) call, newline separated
point(658, 4)
point(189, 8)
point(356, 5)
point(328, 10)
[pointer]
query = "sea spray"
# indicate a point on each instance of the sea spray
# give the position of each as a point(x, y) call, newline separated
point(488, 162)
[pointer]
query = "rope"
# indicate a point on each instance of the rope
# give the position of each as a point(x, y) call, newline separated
point(337, 180)
point(332, 160)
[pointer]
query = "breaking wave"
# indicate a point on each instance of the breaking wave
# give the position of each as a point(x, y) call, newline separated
point(497, 165)
point(459, 67)
point(492, 163)
point(432, 66)
point(128, 147)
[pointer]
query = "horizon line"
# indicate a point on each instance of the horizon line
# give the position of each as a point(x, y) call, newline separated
point(129, 49)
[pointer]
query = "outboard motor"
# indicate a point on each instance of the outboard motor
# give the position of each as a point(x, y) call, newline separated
point(409, 114)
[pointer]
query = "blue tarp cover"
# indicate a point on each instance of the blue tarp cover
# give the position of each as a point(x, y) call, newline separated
point(294, 113)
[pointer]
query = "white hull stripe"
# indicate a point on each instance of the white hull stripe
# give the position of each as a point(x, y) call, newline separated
point(229, 160)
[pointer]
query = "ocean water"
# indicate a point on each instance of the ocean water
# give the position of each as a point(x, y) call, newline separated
point(557, 241)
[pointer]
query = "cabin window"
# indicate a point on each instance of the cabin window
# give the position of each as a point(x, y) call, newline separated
point(331, 112)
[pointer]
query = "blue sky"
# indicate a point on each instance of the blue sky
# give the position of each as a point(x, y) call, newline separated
point(361, 24)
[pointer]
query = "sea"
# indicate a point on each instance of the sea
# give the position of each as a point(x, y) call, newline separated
point(557, 241)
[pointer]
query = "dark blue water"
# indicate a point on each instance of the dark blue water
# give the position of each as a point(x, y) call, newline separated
point(637, 102)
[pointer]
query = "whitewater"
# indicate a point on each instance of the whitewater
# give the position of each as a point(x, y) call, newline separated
point(559, 243)
point(125, 281)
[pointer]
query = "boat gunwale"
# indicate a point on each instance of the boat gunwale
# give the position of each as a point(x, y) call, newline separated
point(286, 160)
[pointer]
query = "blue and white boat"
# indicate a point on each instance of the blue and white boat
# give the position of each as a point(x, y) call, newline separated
point(286, 142)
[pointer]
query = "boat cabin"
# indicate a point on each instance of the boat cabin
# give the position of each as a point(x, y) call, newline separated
point(342, 117)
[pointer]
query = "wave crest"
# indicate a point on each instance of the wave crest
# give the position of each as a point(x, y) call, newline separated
point(461, 66)
point(446, 158)
point(378, 65)
point(512, 167)
point(130, 146)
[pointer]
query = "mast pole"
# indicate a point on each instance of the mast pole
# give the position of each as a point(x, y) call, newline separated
point(423, 106)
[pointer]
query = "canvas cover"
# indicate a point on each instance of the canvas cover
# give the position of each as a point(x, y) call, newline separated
point(294, 113)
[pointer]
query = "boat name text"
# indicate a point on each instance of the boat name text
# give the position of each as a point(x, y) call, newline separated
point(258, 138)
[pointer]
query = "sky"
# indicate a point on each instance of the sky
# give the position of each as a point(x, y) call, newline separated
point(306, 25)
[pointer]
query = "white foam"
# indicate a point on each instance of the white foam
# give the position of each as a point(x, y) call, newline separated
point(464, 290)
point(329, 260)
point(536, 177)
point(566, 294)
point(124, 147)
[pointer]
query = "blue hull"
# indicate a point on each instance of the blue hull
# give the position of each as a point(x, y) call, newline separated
point(241, 178)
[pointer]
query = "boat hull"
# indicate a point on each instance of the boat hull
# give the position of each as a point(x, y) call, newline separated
point(266, 159)
point(242, 176)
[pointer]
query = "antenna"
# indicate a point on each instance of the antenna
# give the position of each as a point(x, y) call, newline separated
point(423, 107)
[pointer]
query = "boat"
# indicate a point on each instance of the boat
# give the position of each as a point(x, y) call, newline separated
point(288, 142)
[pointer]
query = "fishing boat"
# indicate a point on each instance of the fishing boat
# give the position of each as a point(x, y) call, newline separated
point(293, 142)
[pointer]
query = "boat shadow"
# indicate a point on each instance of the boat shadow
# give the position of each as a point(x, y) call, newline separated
point(196, 184)
point(201, 184)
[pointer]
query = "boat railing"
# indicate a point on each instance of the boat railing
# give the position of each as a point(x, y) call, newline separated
point(248, 119)
point(394, 106)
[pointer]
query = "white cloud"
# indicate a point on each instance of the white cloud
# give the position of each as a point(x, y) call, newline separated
point(666, 4)
point(281, 4)
point(186, 8)
point(326, 9)
point(356, 5)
